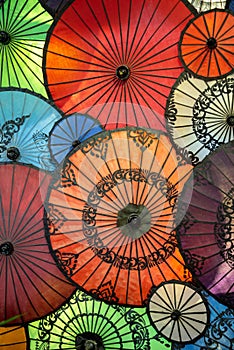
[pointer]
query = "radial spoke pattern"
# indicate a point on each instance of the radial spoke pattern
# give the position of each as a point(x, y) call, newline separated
point(13, 338)
point(84, 321)
point(200, 115)
point(69, 132)
point(25, 122)
point(31, 285)
point(178, 312)
point(206, 232)
point(206, 46)
point(119, 55)
point(24, 25)
point(114, 227)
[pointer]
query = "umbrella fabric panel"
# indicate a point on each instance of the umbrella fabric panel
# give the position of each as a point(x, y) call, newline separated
point(200, 114)
point(31, 284)
point(206, 46)
point(205, 5)
point(26, 120)
point(24, 26)
point(102, 52)
point(206, 232)
point(13, 338)
point(136, 176)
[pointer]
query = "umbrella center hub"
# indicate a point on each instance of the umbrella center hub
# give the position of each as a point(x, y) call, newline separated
point(211, 43)
point(6, 248)
point(122, 72)
point(13, 153)
point(75, 143)
point(5, 37)
point(89, 341)
point(230, 120)
point(175, 315)
point(134, 220)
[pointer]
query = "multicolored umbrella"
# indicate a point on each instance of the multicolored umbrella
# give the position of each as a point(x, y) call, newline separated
point(200, 114)
point(206, 45)
point(69, 132)
point(25, 122)
point(206, 232)
point(107, 52)
point(85, 323)
point(111, 214)
point(31, 285)
point(205, 5)
point(23, 28)
point(178, 311)
point(13, 338)
point(219, 331)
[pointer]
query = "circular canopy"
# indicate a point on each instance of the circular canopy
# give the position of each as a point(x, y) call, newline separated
point(23, 29)
point(13, 338)
point(85, 323)
point(25, 122)
point(111, 214)
point(69, 132)
point(207, 231)
point(200, 114)
point(206, 46)
point(178, 312)
point(101, 52)
point(31, 285)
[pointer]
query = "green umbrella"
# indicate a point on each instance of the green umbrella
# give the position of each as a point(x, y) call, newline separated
point(23, 28)
point(88, 324)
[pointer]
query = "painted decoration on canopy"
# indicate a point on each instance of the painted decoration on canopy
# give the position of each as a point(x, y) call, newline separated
point(206, 45)
point(111, 214)
point(55, 6)
point(178, 311)
point(219, 331)
point(13, 338)
point(25, 122)
point(107, 52)
point(23, 29)
point(200, 114)
point(86, 323)
point(69, 132)
point(206, 232)
point(31, 285)
point(205, 5)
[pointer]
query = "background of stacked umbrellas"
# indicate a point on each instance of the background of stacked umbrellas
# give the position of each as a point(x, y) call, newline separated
point(116, 174)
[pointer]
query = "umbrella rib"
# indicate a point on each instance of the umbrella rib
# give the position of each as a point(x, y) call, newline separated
point(221, 27)
point(219, 51)
point(121, 33)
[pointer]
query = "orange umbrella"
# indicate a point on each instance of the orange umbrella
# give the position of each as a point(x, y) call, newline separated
point(206, 46)
point(111, 214)
point(13, 338)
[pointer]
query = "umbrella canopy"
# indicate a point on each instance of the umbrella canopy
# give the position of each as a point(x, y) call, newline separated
point(205, 5)
point(178, 311)
point(200, 114)
point(85, 323)
point(231, 5)
point(31, 285)
point(219, 331)
point(69, 132)
point(23, 28)
point(25, 122)
point(54, 6)
point(111, 214)
point(107, 52)
point(13, 338)
point(206, 45)
point(206, 232)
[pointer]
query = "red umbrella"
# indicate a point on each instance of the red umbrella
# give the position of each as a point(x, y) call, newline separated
point(31, 285)
point(102, 52)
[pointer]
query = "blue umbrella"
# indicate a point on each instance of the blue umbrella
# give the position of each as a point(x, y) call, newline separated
point(25, 122)
point(69, 132)
point(231, 5)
